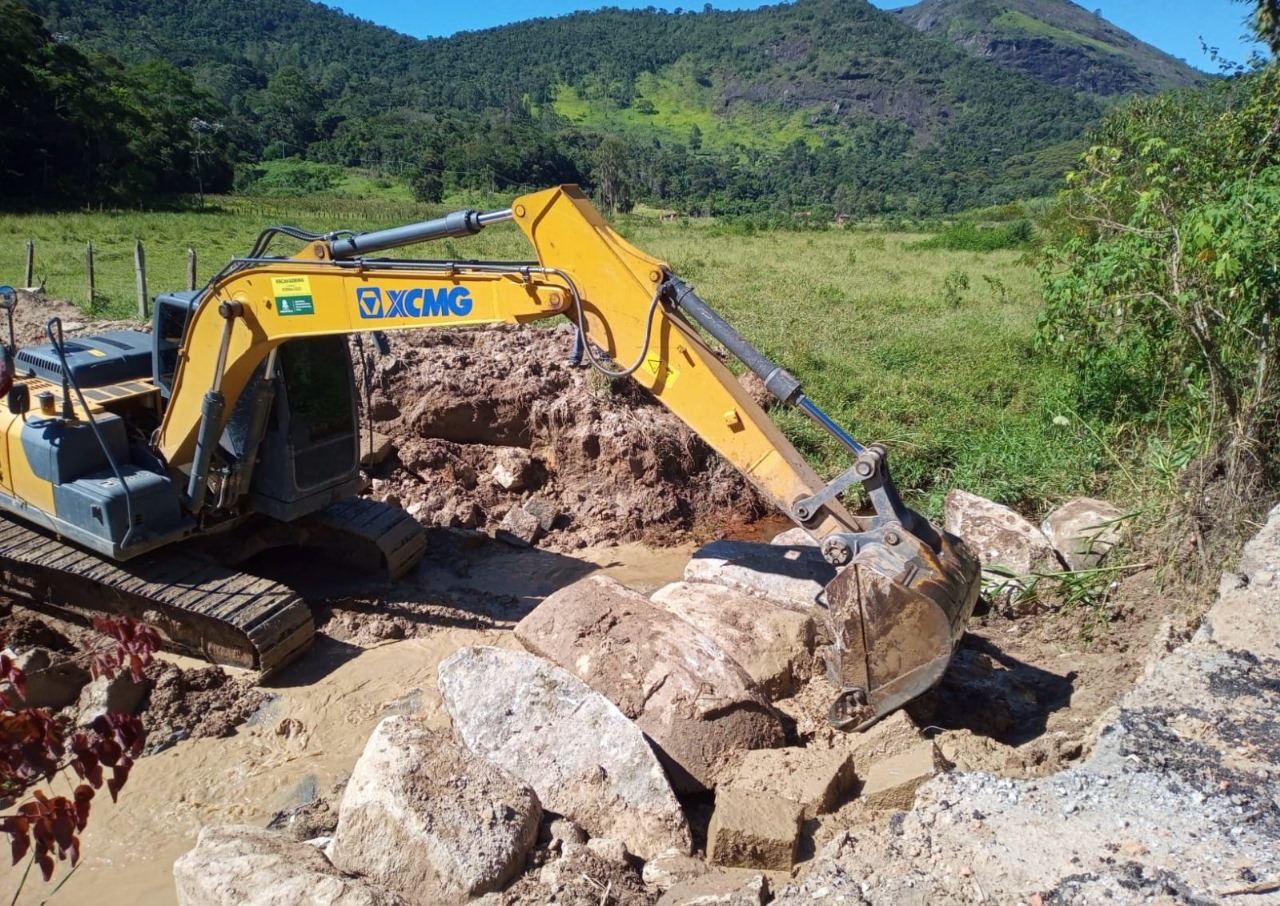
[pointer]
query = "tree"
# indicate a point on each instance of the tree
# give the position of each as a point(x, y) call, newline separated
point(1161, 281)
point(1266, 23)
point(611, 171)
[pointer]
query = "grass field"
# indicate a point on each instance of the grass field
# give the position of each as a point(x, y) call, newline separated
point(929, 350)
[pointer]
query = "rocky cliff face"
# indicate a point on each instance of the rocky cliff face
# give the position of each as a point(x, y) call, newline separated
point(1055, 41)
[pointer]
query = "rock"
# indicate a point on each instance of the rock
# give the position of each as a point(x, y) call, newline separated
point(793, 577)
point(519, 527)
point(751, 829)
point(814, 779)
point(54, 680)
point(513, 468)
point(794, 537)
point(671, 868)
point(1000, 537)
point(581, 755)
point(1083, 530)
point(688, 696)
point(891, 783)
point(772, 644)
point(892, 736)
point(721, 888)
point(610, 849)
point(119, 694)
point(238, 865)
point(423, 816)
point(563, 831)
point(543, 510)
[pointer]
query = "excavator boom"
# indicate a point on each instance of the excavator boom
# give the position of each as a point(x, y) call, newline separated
point(904, 590)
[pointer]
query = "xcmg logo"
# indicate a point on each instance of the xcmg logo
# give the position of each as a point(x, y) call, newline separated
point(416, 302)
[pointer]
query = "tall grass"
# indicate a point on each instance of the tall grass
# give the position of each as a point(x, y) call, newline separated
point(926, 349)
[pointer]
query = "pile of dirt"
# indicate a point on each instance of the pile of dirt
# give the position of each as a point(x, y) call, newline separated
point(192, 704)
point(35, 309)
point(592, 460)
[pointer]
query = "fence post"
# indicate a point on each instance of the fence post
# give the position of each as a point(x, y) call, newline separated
point(191, 268)
point(88, 266)
point(29, 274)
point(140, 265)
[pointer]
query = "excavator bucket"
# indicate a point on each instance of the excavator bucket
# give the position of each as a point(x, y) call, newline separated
point(897, 611)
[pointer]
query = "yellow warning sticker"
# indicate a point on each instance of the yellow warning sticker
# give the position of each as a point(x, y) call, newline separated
point(293, 295)
point(291, 286)
point(98, 352)
point(661, 371)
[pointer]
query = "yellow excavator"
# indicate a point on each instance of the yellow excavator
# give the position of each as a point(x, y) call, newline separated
point(138, 469)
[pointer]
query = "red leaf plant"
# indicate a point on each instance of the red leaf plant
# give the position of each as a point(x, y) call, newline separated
point(33, 749)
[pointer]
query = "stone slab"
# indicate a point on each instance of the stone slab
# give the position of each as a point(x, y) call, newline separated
point(585, 759)
point(814, 779)
point(754, 830)
point(773, 644)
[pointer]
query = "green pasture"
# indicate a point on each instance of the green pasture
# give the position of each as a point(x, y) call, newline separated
point(928, 349)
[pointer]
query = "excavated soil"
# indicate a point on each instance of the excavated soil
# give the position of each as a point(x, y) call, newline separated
point(606, 462)
point(197, 703)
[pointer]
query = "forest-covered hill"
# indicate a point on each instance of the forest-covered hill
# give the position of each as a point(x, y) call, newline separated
point(1055, 41)
point(817, 102)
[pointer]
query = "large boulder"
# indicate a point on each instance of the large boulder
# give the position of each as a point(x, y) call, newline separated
point(239, 865)
point(773, 644)
point(423, 816)
point(793, 575)
point(582, 755)
point(689, 697)
point(1001, 538)
point(1083, 530)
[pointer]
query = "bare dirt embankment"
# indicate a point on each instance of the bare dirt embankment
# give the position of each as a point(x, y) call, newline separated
point(594, 460)
point(484, 422)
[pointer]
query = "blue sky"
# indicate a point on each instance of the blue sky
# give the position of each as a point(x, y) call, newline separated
point(1175, 26)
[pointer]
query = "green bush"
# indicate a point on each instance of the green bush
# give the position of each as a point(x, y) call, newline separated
point(284, 178)
point(968, 237)
point(1161, 280)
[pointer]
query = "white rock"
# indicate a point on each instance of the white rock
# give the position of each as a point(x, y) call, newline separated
point(1083, 530)
point(118, 695)
point(512, 468)
point(238, 865)
point(1001, 538)
point(793, 576)
point(582, 755)
point(423, 816)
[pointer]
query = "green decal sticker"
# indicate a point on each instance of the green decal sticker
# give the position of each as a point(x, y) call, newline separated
point(295, 305)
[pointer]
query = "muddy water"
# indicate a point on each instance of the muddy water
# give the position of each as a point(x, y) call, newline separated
point(331, 700)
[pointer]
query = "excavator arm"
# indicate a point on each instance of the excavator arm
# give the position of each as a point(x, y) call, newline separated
point(903, 590)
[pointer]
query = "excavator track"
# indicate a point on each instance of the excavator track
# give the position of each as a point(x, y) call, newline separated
point(198, 605)
point(371, 536)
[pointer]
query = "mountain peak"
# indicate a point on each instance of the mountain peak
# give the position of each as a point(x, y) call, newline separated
point(1055, 41)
